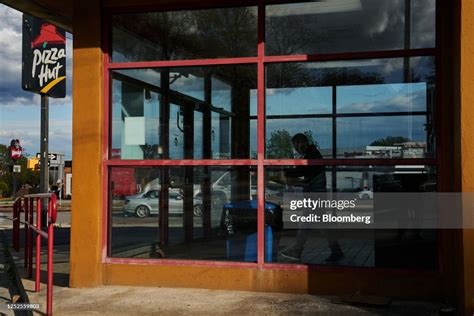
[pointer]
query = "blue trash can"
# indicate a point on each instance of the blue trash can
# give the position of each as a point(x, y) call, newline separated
point(239, 221)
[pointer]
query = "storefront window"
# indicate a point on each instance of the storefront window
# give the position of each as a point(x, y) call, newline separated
point(408, 248)
point(205, 104)
point(335, 26)
point(174, 35)
point(196, 213)
point(375, 110)
point(191, 105)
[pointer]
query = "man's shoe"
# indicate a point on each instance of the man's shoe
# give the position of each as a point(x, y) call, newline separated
point(334, 257)
point(291, 253)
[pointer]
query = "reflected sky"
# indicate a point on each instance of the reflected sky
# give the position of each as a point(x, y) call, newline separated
point(348, 25)
point(402, 97)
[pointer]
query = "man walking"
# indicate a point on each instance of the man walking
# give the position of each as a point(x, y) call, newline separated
point(313, 181)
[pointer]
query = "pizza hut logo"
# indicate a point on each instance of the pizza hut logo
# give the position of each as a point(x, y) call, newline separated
point(46, 62)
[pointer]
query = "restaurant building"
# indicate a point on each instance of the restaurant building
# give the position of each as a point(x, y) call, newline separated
point(184, 112)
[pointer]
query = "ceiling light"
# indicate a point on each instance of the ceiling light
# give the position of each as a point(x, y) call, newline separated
point(310, 8)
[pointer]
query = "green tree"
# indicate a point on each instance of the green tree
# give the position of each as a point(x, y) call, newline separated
point(5, 160)
point(390, 141)
point(279, 145)
point(26, 176)
point(3, 188)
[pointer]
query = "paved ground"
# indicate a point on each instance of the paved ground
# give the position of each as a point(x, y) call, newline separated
point(120, 300)
point(123, 300)
point(5, 296)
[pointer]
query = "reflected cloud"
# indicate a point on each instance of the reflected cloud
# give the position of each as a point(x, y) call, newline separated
point(341, 26)
point(382, 98)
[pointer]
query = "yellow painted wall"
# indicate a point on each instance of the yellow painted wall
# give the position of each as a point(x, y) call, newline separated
point(467, 145)
point(87, 146)
point(424, 286)
point(32, 163)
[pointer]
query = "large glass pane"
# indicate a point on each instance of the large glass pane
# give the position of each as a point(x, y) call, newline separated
point(378, 98)
point(394, 248)
point(381, 108)
point(189, 34)
point(176, 132)
point(198, 130)
point(197, 213)
point(221, 94)
point(183, 113)
point(348, 26)
point(220, 136)
point(135, 121)
point(382, 137)
point(280, 132)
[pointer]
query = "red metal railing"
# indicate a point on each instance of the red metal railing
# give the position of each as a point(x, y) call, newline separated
point(27, 207)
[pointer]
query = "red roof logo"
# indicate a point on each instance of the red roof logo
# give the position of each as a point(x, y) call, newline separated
point(48, 34)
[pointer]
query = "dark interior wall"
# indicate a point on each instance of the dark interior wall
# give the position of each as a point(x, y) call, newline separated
point(449, 109)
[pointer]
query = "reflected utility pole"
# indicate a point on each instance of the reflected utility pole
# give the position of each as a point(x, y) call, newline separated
point(44, 169)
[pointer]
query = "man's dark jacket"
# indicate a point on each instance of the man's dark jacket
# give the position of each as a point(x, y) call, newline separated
point(314, 177)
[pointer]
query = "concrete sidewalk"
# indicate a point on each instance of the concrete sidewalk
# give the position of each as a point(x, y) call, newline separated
point(5, 295)
point(124, 300)
point(127, 300)
point(9, 281)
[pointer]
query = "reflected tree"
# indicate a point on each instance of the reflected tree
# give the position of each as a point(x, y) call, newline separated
point(226, 33)
point(279, 144)
point(186, 34)
point(390, 141)
point(156, 36)
point(26, 176)
point(288, 36)
point(295, 75)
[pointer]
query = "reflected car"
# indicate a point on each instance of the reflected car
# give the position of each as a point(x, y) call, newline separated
point(218, 198)
point(147, 203)
point(365, 195)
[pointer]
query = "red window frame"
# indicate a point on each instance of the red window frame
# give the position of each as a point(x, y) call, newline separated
point(261, 162)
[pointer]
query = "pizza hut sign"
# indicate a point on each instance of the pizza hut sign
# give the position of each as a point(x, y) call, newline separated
point(44, 58)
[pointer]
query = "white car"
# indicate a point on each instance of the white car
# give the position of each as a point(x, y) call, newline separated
point(148, 203)
point(365, 195)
